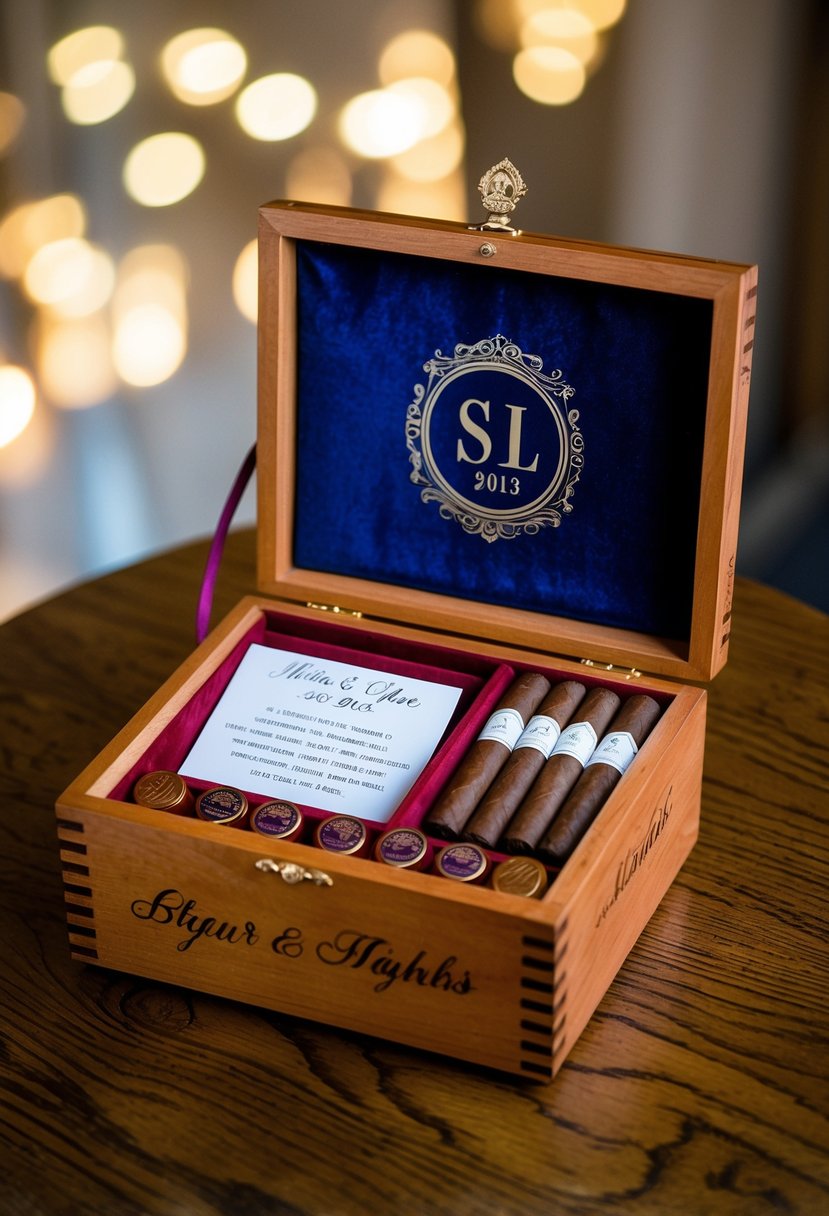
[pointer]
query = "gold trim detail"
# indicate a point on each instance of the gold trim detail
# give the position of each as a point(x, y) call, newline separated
point(631, 673)
point(501, 188)
point(334, 609)
point(291, 873)
point(546, 509)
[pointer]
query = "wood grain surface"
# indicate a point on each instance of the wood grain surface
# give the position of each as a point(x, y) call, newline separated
point(700, 1086)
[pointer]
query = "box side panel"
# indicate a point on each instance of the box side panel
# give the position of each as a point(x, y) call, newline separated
point(741, 365)
point(730, 378)
point(384, 954)
point(617, 877)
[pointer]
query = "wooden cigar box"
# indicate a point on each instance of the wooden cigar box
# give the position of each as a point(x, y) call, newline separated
point(480, 452)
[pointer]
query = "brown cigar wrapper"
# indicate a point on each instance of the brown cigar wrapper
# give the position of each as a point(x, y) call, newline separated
point(557, 778)
point(483, 761)
point(637, 717)
point(521, 769)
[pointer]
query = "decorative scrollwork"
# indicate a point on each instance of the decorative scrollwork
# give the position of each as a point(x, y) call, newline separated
point(501, 187)
point(498, 353)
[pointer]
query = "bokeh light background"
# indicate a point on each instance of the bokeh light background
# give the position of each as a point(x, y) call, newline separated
point(137, 141)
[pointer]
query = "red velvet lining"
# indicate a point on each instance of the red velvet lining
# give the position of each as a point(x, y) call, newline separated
point(481, 679)
point(168, 749)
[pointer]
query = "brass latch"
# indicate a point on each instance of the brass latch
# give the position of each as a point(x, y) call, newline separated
point(292, 873)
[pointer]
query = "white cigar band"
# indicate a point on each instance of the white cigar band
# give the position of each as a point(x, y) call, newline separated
point(617, 750)
point(541, 733)
point(504, 726)
point(578, 741)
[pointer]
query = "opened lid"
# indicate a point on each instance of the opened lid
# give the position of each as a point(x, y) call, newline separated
point(511, 437)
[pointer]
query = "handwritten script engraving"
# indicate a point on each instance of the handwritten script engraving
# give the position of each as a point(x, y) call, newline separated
point(375, 957)
point(635, 858)
point(170, 907)
point(353, 949)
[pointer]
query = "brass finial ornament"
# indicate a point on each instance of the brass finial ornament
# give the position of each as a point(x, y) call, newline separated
point(501, 188)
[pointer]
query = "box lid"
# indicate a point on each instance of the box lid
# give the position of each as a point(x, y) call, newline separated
point(506, 436)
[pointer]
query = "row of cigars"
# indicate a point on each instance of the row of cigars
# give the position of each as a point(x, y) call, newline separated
point(536, 788)
point(531, 784)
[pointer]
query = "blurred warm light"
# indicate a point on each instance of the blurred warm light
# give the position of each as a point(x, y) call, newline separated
point(445, 200)
point(164, 169)
point(98, 91)
point(24, 460)
point(522, 10)
point(246, 281)
point(436, 107)
point(276, 107)
point(93, 286)
point(599, 55)
point(319, 175)
point(203, 66)
point(432, 159)
point(549, 74)
point(381, 123)
point(601, 13)
point(17, 402)
point(12, 117)
point(564, 27)
point(497, 23)
point(152, 274)
point(95, 44)
point(150, 315)
point(74, 365)
point(31, 225)
point(149, 345)
point(417, 53)
point(72, 276)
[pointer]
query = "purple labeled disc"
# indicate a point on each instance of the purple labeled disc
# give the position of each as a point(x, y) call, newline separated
point(223, 804)
point(464, 862)
point(342, 834)
point(281, 820)
point(406, 848)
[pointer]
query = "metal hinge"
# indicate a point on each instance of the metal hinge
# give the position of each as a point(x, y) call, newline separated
point(333, 608)
point(629, 673)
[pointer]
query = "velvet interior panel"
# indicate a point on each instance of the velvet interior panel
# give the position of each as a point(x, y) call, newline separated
point(483, 681)
point(480, 680)
point(638, 362)
point(172, 743)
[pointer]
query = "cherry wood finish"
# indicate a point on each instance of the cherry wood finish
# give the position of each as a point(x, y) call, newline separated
point(732, 289)
point(698, 1086)
point(509, 982)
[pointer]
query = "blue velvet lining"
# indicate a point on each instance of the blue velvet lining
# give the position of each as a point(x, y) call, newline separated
point(638, 361)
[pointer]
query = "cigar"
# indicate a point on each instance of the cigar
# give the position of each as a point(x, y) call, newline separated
point(530, 753)
point(487, 755)
point(561, 772)
point(629, 730)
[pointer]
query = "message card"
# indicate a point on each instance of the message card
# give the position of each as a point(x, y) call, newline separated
point(328, 734)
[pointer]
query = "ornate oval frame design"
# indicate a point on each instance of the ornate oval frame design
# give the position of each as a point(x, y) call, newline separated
point(498, 353)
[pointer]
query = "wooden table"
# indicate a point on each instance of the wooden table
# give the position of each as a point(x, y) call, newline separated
point(698, 1087)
